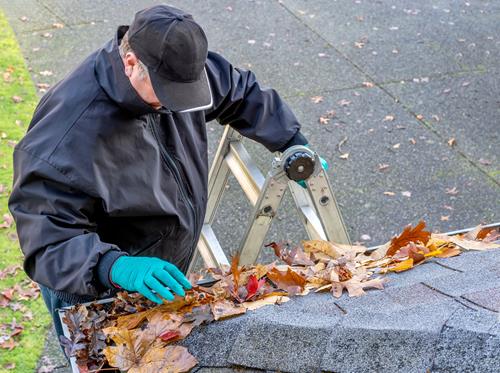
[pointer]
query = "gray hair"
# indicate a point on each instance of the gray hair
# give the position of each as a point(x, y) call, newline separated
point(125, 48)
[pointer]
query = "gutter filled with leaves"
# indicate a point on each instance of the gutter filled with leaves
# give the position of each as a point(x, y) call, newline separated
point(131, 333)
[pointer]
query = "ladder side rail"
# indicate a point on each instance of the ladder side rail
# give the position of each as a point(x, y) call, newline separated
point(306, 210)
point(327, 208)
point(219, 173)
point(208, 247)
point(264, 211)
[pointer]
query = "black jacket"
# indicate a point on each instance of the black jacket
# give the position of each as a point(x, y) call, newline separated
point(101, 174)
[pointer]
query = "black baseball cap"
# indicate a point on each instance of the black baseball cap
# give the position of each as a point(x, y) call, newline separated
point(174, 48)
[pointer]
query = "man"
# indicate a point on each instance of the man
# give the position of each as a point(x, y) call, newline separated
point(110, 181)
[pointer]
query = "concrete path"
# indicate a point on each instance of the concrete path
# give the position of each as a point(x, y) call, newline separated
point(405, 79)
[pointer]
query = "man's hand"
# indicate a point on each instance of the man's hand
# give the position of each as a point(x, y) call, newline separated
point(144, 274)
point(324, 164)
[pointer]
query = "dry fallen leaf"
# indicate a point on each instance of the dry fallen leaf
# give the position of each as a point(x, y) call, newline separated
point(452, 142)
point(452, 191)
point(323, 120)
point(317, 99)
point(7, 221)
point(473, 245)
point(389, 194)
point(409, 234)
point(17, 99)
point(449, 252)
point(290, 281)
point(388, 118)
point(485, 162)
point(223, 309)
point(402, 266)
point(320, 246)
point(383, 166)
point(368, 84)
point(344, 102)
point(269, 300)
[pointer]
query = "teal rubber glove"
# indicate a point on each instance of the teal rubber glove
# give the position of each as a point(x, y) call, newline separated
point(324, 164)
point(144, 274)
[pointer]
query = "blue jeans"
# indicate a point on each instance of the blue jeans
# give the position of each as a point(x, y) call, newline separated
point(53, 304)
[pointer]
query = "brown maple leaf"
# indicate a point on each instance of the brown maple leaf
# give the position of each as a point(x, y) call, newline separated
point(290, 281)
point(135, 352)
point(409, 234)
point(223, 309)
point(295, 256)
point(413, 251)
point(320, 246)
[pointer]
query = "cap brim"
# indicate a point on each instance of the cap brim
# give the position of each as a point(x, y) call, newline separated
point(183, 97)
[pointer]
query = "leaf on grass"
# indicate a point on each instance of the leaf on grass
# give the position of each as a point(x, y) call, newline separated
point(409, 234)
point(10, 271)
point(7, 221)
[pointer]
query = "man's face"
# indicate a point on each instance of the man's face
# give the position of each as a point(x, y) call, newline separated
point(140, 80)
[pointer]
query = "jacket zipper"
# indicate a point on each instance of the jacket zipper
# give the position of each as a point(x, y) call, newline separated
point(177, 176)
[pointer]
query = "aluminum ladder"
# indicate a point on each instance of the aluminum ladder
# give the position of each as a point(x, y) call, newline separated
point(316, 204)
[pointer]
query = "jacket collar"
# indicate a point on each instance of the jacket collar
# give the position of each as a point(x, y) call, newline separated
point(110, 74)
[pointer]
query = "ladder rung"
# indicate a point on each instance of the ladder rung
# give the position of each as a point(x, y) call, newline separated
point(245, 171)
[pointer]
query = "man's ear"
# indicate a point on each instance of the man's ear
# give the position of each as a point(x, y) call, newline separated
point(130, 60)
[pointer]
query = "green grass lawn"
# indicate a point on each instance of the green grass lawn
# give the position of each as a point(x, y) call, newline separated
point(15, 81)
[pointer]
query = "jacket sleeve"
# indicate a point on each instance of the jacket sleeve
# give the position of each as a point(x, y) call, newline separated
point(55, 228)
point(256, 112)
